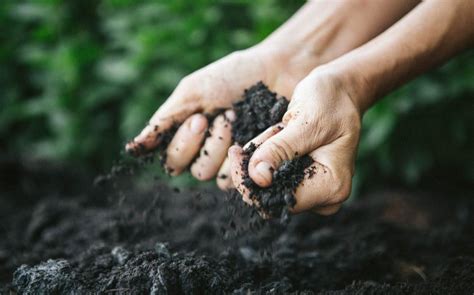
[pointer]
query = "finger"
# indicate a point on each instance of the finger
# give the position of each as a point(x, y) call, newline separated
point(236, 172)
point(262, 137)
point(215, 147)
point(284, 145)
point(185, 144)
point(328, 180)
point(327, 210)
point(224, 179)
point(179, 106)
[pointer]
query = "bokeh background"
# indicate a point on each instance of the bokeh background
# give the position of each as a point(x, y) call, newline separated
point(80, 77)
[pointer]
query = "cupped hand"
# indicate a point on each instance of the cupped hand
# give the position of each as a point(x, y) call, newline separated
point(323, 121)
point(210, 89)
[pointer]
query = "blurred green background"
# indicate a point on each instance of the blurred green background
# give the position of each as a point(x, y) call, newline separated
point(80, 77)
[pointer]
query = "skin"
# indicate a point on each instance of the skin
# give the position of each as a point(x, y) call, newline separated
point(317, 34)
point(323, 118)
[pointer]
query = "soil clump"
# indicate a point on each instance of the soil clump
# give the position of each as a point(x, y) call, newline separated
point(259, 109)
point(275, 200)
point(61, 235)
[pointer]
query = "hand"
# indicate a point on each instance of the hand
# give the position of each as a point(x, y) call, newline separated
point(323, 121)
point(205, 91)
point(280, 61)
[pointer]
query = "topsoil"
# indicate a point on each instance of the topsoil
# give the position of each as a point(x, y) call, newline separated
point(61, 235)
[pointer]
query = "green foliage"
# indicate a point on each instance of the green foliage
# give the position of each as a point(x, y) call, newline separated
point(80, 77)
point(423, 131)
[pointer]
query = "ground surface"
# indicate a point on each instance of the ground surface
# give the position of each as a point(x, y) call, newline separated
point(71, 236)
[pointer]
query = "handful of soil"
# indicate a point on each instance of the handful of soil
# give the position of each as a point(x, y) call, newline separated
point(259, 109)
point(275, 200)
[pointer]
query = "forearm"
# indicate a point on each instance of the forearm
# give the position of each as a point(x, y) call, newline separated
point(432, 33)
point(324, 30)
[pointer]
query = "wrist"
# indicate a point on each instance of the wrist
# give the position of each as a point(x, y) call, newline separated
point(350, 80)
point(295, 61)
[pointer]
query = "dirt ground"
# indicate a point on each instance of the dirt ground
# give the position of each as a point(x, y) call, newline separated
point(61, 234)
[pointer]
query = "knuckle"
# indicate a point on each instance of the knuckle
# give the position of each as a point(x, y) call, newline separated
point(185, 86)
point(288, 116)
point(326, 211)
point(299, 90)
point(281, 149)
point(343, 187)
point(184, 82)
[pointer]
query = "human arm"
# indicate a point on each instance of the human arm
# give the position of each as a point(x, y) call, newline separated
point(323, 118)
point(319, 32)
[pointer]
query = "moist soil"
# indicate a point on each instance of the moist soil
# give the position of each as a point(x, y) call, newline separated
point(258, 109)
point(61, 235)
point(275, 200)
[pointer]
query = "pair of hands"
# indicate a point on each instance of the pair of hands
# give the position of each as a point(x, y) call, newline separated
point(322, 120)
point(368, 48)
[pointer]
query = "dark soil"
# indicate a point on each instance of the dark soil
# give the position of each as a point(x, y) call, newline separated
point(165, 138)
point(58, 234)
point(259, 109)
point(275, 200)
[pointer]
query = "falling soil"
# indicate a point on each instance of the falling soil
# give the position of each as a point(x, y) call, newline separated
point(259, 109)
point(275, 200)
point(60, 235)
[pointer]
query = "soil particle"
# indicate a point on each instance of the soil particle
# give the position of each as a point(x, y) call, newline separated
point(275, 200)
point(52, 276)
point(206, 242)
point(259, 109)
point(165, 138)
point(147, 272)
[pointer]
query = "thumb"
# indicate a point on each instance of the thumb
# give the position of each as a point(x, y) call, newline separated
point(283, 146)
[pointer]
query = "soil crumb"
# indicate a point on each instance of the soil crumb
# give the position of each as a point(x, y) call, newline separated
point(259, 109)
point(275, 200)
point(165, 138)
point(147, 272)
point(62, 236)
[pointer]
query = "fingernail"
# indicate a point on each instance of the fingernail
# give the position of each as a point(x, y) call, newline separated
point(198, 124)
point(265, 171)
point(230, 114)
point(145, 132)
point(232, 151)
